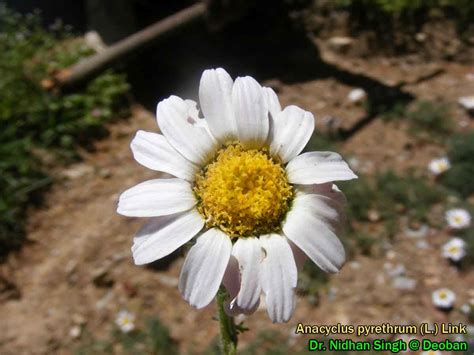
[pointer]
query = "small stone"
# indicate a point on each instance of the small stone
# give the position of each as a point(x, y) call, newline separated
point(354, 265)
point(75, 332)
point(357, 95)
point(404, 283)
point(340, 44)
point(168, 280)
point(417, 232)
point(78, 171)
point(420, 37)
point(467, 102)
point(422, 244)
point(394, 270)
point(104, 301)
point(373, 216)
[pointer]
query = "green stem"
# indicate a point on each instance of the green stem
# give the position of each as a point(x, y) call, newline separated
point(227, 326)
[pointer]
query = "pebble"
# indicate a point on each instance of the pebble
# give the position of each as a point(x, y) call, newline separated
point(355, 265)
point(357, 95)
point(420, 37)
point(104, 301)
point(168, 280)
point(340, 43)
point(75, 332)
point(391, 255)
point(467, 102)
point(78, 171)
point(373, 216)
point(422, 244)
point(404, 283)
point(394, 270)
point(420, 232)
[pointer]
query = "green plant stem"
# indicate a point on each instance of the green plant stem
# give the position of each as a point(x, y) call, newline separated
point(227, 326)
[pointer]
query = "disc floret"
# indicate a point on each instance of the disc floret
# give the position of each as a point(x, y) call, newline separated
point(243, 192)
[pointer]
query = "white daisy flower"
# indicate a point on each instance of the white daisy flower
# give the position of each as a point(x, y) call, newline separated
point(439, 166)
point(454, 249)
point(458, 218)
point(125, 321)
point(256, 205)
point(443, 298)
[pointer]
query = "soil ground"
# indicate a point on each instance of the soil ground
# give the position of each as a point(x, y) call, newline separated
point(77, 267)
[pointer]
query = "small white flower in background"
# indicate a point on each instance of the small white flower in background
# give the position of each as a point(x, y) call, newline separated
point(439, 166)
point(468, 307)
point(458, 218)
point(443, 298)
point(357, 95)
point(454, 249)
point(125, 321)
point(256, 205)
point(465, 308)
point(467, 102)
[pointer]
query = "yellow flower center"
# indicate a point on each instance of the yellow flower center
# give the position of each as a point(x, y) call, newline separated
point(457, 219)
point(243, 192)
point(453, 249)
point(443, 295)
